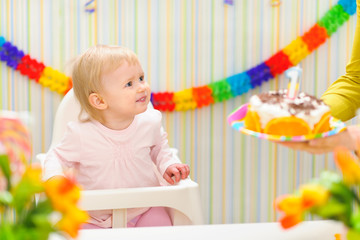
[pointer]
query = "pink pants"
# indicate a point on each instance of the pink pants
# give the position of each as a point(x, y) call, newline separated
point(154, 217)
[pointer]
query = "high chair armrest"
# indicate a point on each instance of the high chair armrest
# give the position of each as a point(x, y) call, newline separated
point(40, 158)
point(175, 197)
point(135, 197)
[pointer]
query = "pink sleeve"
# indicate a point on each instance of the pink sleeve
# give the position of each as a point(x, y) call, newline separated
point(65, 154)
point(162, 155)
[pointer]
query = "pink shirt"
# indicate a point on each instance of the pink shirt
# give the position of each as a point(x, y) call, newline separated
point(103, 158)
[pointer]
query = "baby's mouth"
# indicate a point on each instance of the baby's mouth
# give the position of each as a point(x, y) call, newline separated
point(141, 99)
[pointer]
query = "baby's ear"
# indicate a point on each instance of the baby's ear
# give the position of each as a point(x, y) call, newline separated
point(97, 101)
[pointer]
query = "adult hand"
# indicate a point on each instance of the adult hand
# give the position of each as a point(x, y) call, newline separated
point(178, 170)
point(350, 138)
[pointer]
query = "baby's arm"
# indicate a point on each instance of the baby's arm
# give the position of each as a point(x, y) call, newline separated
point(167, 162)
point(163, 156)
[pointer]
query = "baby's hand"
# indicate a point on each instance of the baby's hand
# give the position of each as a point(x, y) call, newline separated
point(177, 170)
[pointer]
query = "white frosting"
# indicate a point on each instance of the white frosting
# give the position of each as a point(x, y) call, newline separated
point(269, 111)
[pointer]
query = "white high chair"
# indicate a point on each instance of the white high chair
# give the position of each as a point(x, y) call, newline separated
point(182, 199)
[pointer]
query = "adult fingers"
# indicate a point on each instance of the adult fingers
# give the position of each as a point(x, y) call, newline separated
point(326, 142)
point(305, 146)
point(295, 145)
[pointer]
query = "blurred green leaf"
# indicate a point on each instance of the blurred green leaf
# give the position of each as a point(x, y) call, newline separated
point(32, 234)
point(332, 209)
point(5, 198)
point(39, 215)
point(352, 235)
point(355, 221)
point(35, 225)
point(342, 192)
point(6, 231)
point(5, 168)
point(24, 193)
point(327, 178)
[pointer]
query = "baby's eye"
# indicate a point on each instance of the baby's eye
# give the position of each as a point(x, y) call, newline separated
point(129, 84)
point(141, 78)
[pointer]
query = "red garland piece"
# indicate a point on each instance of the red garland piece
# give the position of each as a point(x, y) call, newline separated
point(315, 37)
point(70, 85)
point(30, 67)
point(163, 101)
point(278, 63)
point(202, 96)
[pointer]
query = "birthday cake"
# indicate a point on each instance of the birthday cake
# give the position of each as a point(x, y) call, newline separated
point(275, 113)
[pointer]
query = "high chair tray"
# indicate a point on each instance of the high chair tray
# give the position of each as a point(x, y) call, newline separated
point(324, 230)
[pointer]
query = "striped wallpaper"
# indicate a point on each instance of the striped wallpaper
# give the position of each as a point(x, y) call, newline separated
point(181, 44)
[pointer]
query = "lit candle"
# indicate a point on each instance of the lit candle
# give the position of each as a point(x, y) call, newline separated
point(294, 75)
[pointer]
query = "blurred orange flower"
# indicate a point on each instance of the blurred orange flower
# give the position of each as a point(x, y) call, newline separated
point(313, 195)
point(288, 221)
point(348, 165)
point(33, 175)
point(329, 197)
point(22, 214)
point(72, 220)
point(310, 195)
point(289, 204)
point(63, 193)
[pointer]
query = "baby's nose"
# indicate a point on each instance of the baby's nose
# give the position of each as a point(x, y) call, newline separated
point(141, 87)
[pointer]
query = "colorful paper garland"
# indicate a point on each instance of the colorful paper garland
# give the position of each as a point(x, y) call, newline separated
point(197, 97)
point(241, 83)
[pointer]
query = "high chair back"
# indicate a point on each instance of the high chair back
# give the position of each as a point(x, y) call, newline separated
point(182, 200)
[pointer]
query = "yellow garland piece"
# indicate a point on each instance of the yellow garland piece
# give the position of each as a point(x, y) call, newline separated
point(184, 100)
point(54, 80)
point(297, 50)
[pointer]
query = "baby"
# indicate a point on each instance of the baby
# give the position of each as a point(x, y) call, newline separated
point(116, 143)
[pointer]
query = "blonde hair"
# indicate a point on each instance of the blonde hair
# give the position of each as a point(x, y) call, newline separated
point(89, 68)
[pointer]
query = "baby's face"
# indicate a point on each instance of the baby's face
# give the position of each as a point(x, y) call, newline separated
point(126, 91)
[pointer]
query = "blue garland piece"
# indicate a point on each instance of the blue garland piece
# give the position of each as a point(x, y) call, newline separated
point(349, 6)
point(11, 55)
point(259, 74)
point(239, 83)
point(2, 41)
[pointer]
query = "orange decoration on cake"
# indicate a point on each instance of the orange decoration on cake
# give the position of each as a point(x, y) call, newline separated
point(324, 124)
point(287, 126)
point(252, 120)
